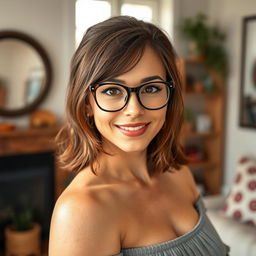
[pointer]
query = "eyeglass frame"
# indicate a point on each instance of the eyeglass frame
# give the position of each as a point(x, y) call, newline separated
point(129, 90)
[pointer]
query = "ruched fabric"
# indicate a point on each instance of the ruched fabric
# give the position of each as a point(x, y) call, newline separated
point(203, 240)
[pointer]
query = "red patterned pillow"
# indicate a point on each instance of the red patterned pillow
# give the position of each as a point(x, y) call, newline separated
point(241, 201)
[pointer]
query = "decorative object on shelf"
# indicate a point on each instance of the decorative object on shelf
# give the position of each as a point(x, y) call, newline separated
point(206, 41)
point(248, 74)
point(203, 123)
point(194, 153)
point(195, 30)
point(198, 87)
point(200, 79)
point(42, 118)
point(190, 81)
point(23, 236)
point(5, 127)
point(209, 85)
point(188, 121)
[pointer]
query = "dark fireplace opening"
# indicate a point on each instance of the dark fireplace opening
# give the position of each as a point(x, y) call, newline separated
point(27, 182)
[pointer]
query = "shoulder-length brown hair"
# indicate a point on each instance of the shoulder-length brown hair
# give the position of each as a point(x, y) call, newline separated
point(107, 50)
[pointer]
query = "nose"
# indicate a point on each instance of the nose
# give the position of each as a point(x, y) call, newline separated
point(133, 107)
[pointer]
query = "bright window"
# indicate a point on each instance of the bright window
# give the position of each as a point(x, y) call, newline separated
point(141, 12)
point(90, 12)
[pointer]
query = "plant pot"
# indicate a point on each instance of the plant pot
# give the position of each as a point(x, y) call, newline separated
point(23, 243)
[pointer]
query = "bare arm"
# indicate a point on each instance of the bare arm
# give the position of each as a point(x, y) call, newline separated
point(81, 226)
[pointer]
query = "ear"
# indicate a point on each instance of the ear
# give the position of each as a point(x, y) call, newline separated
point(88, 107)
point(89, 110)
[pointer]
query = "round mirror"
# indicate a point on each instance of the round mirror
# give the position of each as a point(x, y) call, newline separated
point(25, 73)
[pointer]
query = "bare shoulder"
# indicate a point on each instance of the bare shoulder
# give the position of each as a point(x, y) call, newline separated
point(83, 224)
point(187, 178)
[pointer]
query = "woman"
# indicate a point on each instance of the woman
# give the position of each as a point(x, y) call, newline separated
point(133, 194)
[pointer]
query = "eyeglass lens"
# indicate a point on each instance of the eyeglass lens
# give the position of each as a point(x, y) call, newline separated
point(113, 97)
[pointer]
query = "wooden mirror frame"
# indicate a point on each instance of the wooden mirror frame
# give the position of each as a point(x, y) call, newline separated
point(12, 34)
point(244, 53)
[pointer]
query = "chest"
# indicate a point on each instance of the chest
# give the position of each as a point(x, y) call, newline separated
point(156, 219)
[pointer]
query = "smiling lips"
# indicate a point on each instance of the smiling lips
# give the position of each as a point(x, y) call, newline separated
point(133, 130)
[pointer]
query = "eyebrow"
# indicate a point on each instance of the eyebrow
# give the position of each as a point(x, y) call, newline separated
point(143, 80)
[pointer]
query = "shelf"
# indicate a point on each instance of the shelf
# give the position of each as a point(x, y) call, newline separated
point(202, 94)
point(196, 60)
point(201, 135)
point(202, 165)
point(199, 99)
point(20, 132)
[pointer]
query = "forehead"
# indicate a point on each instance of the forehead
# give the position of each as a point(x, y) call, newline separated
point(149, 65)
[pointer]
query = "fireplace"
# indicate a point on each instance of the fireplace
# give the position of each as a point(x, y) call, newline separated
point(27, 181)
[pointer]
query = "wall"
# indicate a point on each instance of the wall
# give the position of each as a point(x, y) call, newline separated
point(239, 141)
point(51, 22)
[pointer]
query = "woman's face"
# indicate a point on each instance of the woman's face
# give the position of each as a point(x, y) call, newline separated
point(132, 128)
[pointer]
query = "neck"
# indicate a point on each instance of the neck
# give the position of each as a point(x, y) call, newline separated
point(125, 166)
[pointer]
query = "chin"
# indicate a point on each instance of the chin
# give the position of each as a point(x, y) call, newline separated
point(132, 148)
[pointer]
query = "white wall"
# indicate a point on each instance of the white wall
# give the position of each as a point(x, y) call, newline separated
point(51, 22)
point(239, 141)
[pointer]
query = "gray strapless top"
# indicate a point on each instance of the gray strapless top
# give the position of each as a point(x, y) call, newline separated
point(203, 240)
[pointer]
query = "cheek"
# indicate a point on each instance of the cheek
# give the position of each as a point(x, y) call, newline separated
point(160, 115)
point(100, 117)
point(103, 119)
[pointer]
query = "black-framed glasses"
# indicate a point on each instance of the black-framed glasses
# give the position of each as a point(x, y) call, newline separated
point(112, 97)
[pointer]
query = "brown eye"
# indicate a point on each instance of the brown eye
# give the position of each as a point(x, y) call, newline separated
point(150, 89)
point(111, 91)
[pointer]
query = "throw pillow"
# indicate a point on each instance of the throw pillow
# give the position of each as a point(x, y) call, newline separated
point(241, 201)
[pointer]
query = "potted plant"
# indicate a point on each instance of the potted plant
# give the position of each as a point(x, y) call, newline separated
point(205, 42)
point(22, 235)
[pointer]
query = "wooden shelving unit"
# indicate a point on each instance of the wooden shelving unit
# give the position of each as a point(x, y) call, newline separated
point(201, 165)
point(202, 135)
point(207, 146)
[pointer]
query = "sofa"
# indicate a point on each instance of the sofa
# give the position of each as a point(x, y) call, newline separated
point(240, 237)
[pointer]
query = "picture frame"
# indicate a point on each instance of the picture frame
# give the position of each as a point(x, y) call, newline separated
point(248, 74)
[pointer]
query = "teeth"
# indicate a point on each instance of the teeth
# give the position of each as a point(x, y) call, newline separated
point(132, 128)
